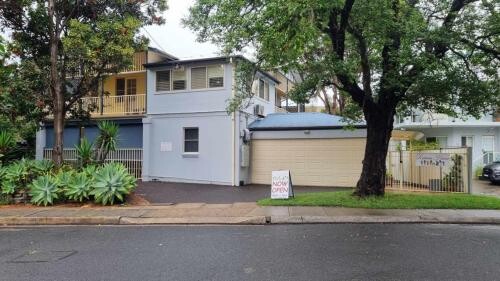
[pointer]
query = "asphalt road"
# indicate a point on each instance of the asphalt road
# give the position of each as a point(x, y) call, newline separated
point(278, 252)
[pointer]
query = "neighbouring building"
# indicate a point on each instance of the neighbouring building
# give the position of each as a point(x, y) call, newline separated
point(482, 135)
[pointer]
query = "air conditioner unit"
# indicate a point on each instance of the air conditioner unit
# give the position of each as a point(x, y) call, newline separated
point(258, 110)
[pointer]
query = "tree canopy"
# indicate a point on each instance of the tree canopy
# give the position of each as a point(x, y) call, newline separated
point(438, 55)
point(75, 43)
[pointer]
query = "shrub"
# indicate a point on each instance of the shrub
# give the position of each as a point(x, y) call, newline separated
point(112, 181)
point(41, 167)
point(79, 187)
point(7, 143)
point(63, 178)
point(44, 190)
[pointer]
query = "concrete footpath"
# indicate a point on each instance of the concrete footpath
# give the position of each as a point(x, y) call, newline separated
point(237, 213)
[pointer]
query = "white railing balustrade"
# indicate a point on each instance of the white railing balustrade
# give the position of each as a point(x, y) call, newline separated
point(115, 105)
point(130, 157)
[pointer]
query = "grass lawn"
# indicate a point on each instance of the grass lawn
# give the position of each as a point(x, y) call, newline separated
point(391, 200)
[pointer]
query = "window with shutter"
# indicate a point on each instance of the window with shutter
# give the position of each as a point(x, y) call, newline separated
point(215, 76)
point(255, 87)
point(163, 81)
point(179, 80)
point(198, 78)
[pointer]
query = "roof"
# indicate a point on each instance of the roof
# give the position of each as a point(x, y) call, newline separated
point(221, 59)
point(301, 121)
point(165, 54)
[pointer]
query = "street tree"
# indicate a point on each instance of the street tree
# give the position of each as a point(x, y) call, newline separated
point(438, 55)
point(76, 43)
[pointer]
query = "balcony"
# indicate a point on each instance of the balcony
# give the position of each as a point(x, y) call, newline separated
point(278, 109)
point(115, 106)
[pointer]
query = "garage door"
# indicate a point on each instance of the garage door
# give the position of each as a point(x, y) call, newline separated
point(312, 162)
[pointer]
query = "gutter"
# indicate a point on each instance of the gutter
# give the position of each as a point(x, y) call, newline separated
point(305, 128)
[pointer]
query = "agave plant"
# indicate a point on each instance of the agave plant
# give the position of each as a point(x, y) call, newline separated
point(107, 140)
point(41, 167)
point(78, 188)
point(84, 151)
point(63, 178)
point(89, 171)
point(112, 181)
point(8, 188)
point(44, 190)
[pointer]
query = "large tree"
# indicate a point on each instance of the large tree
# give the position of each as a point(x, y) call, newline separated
point(439, 55)
point(76, 43)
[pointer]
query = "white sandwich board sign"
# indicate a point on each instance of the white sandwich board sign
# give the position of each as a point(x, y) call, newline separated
point(281, 185)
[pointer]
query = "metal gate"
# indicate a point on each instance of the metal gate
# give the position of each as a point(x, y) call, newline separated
point(438, 170)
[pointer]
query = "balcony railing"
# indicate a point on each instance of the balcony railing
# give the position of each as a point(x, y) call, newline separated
point(116, 105)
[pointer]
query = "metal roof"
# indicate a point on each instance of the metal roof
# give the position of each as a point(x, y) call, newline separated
point(300, 121)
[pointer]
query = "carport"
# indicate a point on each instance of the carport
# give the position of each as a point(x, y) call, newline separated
point(317, 148)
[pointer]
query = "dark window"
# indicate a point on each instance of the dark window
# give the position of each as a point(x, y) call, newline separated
point(191, 140)
point(120, 87)
point(131, 87)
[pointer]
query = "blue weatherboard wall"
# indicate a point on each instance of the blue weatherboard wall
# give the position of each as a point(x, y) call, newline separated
point(130, 135)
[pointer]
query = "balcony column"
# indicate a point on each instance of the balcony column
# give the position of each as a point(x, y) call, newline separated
point(41, 142)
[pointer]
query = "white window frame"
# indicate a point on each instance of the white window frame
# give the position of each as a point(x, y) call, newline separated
point(184, 152)
point(266, 99)
point(189, 78)
point(472, 141)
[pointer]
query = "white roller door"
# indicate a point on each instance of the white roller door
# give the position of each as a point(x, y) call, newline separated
point(312, 162)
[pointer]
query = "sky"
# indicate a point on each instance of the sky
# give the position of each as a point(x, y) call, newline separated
point(175, 39)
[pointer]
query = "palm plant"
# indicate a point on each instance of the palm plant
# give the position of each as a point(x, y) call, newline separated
point(7, 143)
point(107, 140)
point(84, 152)
point(112, 182)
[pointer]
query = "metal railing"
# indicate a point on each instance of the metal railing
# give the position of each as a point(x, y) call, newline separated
point(279, 109)
point(115, 105)
point(130, 157)
point(440, 170)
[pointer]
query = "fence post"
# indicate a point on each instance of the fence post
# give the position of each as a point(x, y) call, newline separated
point(469, 169)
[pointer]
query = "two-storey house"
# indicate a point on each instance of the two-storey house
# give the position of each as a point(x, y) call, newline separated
point(174, 112)
point(188, 134)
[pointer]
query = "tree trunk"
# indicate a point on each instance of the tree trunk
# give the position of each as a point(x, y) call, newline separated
point(379, 128)
point(55, 86)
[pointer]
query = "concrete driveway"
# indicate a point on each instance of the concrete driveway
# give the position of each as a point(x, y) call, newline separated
point(167, 192)
point(485, 187)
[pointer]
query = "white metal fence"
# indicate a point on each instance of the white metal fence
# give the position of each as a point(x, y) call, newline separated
point(440, 170)
point(130, 157)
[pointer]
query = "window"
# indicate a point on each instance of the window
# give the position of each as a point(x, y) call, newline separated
point(191, 140)
point(467, 141)
point(215, 75)
point(198, 78)
point(120, 87)
point(163, 81)
point(266, 91)
point(207, 77)
point(179, 79)
point(442, 141)
point(488, 149)
point(261, 88)
point(131, 86)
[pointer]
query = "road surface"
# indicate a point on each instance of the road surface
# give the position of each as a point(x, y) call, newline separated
point(268, 252)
